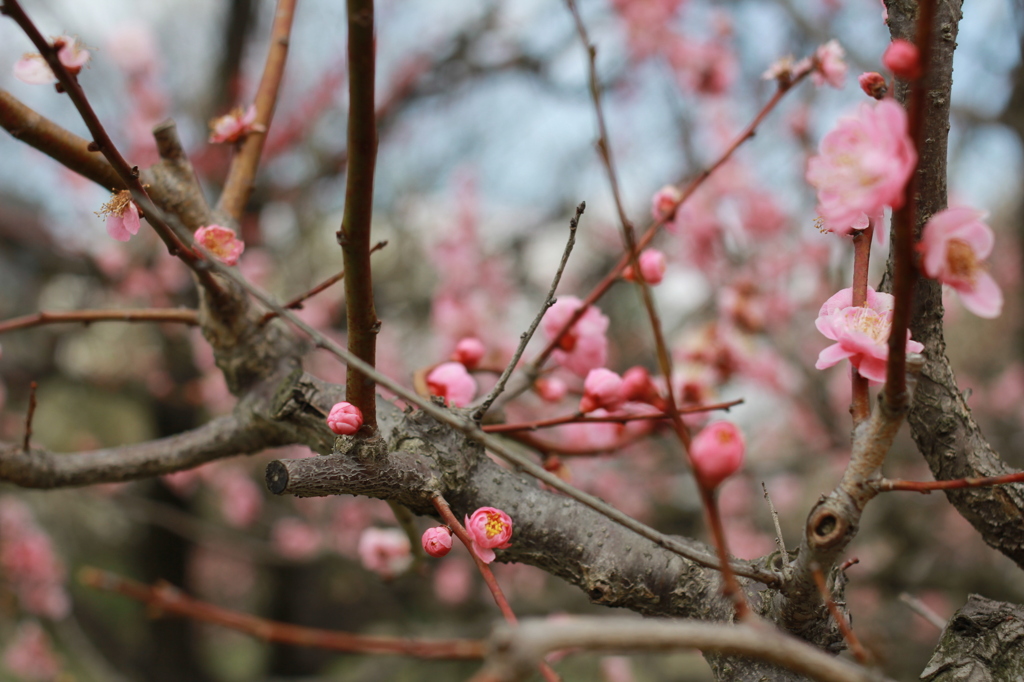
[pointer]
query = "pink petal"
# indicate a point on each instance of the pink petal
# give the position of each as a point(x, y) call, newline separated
point(985, 299)
point(116, 228)
point(131, 219)
point(831, 356)
point(872, 369)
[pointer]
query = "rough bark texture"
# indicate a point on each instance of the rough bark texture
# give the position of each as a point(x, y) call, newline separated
point(983, 642)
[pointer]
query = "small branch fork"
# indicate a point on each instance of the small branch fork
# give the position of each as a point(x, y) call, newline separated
point(164, 597)
point(43, 317)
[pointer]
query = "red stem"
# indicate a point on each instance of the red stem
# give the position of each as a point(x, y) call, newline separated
point(730, 587)
point(889, 485)
point(181, 315)
point(577, 418)
point(844, 627)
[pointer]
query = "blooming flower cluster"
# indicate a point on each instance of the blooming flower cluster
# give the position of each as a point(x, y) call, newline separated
point(861, 334)
point(584, 346)
point(490, 529)
point(33, 69)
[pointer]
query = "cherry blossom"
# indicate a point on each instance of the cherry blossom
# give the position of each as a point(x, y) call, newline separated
point(451, 381)
point(829, 65)
point(583, 347)
point(860, 334)
point(469, 351)
point(33, 69)
point(221, 242)
point(953, 245)
point(385, 551)
point(122, 216)
point(490, 529)
point(601, 389)
point(234, 126)
point(904, 59)
point(345, 418)
point(717, 453)
point(437, 541)
point(652, 267)
point(862, 167)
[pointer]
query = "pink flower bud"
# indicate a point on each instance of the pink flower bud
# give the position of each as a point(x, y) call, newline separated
point(638, 387)
point(873, 84)
point(903, 59)
point(551, 389)
point(437, 541)
point(829, 65)
point(345, 419)
point(717, 453)
point(665, 201)
point(489, 529)
point(451, 381)
point(602, 388)
point(234, 126)
point(652, 267)
point(221, 242)
point(469, 351)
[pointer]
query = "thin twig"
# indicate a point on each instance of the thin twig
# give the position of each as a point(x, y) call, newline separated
point(525, 337)
point(921, 609)
point(354, 235)
point(887, 485)
point(844, 627)
point(860, 402)
point(167, 598)
point(296, 303)
point(43, 317)
point(578, 418)
point(29, 414)
point(239, 183)
point(775, 520)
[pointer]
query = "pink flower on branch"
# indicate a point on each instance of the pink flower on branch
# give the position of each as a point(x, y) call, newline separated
point(33, 69)
point(469, 351)
point(602, 388)
point(862, 167)
point(584, 346)
point(122, 216)
point(665, 201)
point(489, 529)
point(221, 242)
point(652, 267)
point(717, 453)
point(829, 67)
point(861, 335)
point(953, 246)
point(873, 84)
point(904, 59)
point(451, 381)
point(345, 418)
point(234, 126)
point(437, 541)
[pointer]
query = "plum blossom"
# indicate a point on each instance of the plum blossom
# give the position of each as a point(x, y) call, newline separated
point(345, 418)
point(860, 334)
point(829, 65)
point(583, 347)
point(234, 126)
point(873, 84)
point(954, 244)
point(637, 386)
point(862, 167)
point(437, 541)
point(29, 563)
point(451, 381)
point(652, 267)
point(665, 201)
point(904, 59)
point(221, 242)
point(385, 551)
point(601, 389)
point(550, 389)
point(33, 69)
point(717, 453)
point(469, 351)
point(122, 216)
point(490, 529)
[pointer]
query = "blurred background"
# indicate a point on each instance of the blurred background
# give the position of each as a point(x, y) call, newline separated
point(486, 146)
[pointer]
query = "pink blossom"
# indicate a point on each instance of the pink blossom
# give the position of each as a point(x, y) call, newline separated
point(637, 386)
point(122, 216)
point(584, 347)
point(221, 242)
point(295, 539)
point(860, 334)
point(829, 65)
point(437, 541)
point(345, 418)
point(652, 267)
point(954, 244)
point(490, 529)
point(717, 453)
point(601, 389)
point(665, 201)
point(873, 84)
point(29, 654)
point(705, 67)
point(469, 351)
point(234, 126)
point(29, 563)
point(550, 389)
point(451, 381)
point(385, 551)
point(904, 59)
point(33, 69)
point(863, 166)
